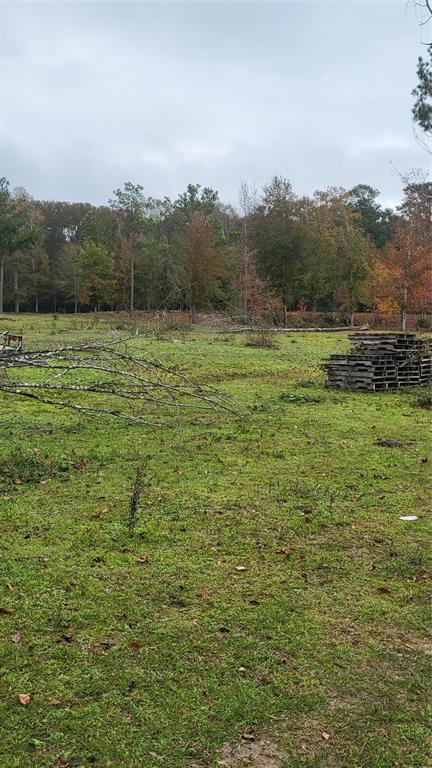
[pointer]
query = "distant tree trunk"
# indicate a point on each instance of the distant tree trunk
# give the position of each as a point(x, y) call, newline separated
point(1, 283)
point(132, 283)
point(404, 307)
point(352, 318)
point(15, 283)
point(193, 313)
point(285, 315)
point(36, 303)
point(76, 305)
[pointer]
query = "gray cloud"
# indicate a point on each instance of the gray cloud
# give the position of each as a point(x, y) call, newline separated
point(95, 93)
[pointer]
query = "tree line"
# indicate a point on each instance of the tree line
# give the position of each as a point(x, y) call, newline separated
point(337, 250)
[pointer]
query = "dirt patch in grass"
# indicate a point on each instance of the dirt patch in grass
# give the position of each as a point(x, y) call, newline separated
point(422, 644)
point(255, 754)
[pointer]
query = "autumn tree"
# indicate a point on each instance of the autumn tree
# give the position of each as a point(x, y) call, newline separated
point(403, 276)
point(202, 264)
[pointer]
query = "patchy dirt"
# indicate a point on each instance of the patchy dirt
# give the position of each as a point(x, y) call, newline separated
point(254, 754)
point(424, 645)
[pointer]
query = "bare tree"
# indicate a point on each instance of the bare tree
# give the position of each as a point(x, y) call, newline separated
point(248, 202)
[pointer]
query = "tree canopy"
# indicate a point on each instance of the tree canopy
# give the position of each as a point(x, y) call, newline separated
point(332, 251)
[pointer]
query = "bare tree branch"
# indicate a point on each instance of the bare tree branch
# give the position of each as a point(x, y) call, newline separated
point(118, 383)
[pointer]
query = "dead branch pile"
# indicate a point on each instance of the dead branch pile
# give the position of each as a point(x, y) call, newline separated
point(107, 380)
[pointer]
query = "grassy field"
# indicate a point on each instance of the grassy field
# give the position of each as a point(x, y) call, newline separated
point(270, 591)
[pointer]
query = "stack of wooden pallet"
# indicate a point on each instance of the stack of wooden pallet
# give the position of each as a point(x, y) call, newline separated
point(379, 361)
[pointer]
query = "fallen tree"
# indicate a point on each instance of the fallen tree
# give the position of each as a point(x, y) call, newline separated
point(107, 380)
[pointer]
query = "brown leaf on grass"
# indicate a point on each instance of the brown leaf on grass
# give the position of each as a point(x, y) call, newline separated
point(5, 497)
point(282, 551)
point(143, 559)
point(240, 568)
point(17, 481)
point(7, 611)
point(100, 512)
point(134, 646)
point(82, 464)
point(16, 638)
point(24, 699)
point(9, 587)
point(60, 764)
point(325, 735)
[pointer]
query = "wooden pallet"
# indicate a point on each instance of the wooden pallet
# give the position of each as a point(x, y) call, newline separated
point(379, 362)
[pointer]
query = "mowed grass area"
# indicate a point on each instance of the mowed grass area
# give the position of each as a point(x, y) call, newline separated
point(156, 649)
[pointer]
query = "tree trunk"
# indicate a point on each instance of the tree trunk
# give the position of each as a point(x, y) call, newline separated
point(285, 315)
point(36, 304)
point(76, 306)
point(404, 307)
point(193, 313)
point(352, 318)
point(15, 281)
point(1, 283)
point(132, 284)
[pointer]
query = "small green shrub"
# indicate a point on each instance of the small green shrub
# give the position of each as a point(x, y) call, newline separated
point(261, 340)
point(329, 319)
point(425, 400)
point(423, 324)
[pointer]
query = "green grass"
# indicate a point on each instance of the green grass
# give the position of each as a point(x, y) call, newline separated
point(159, 663)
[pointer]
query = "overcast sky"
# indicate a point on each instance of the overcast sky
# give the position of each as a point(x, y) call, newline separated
point(163, 94)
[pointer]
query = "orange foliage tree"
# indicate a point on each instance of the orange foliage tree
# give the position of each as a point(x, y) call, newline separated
point(402, 277)
point(202, 262)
